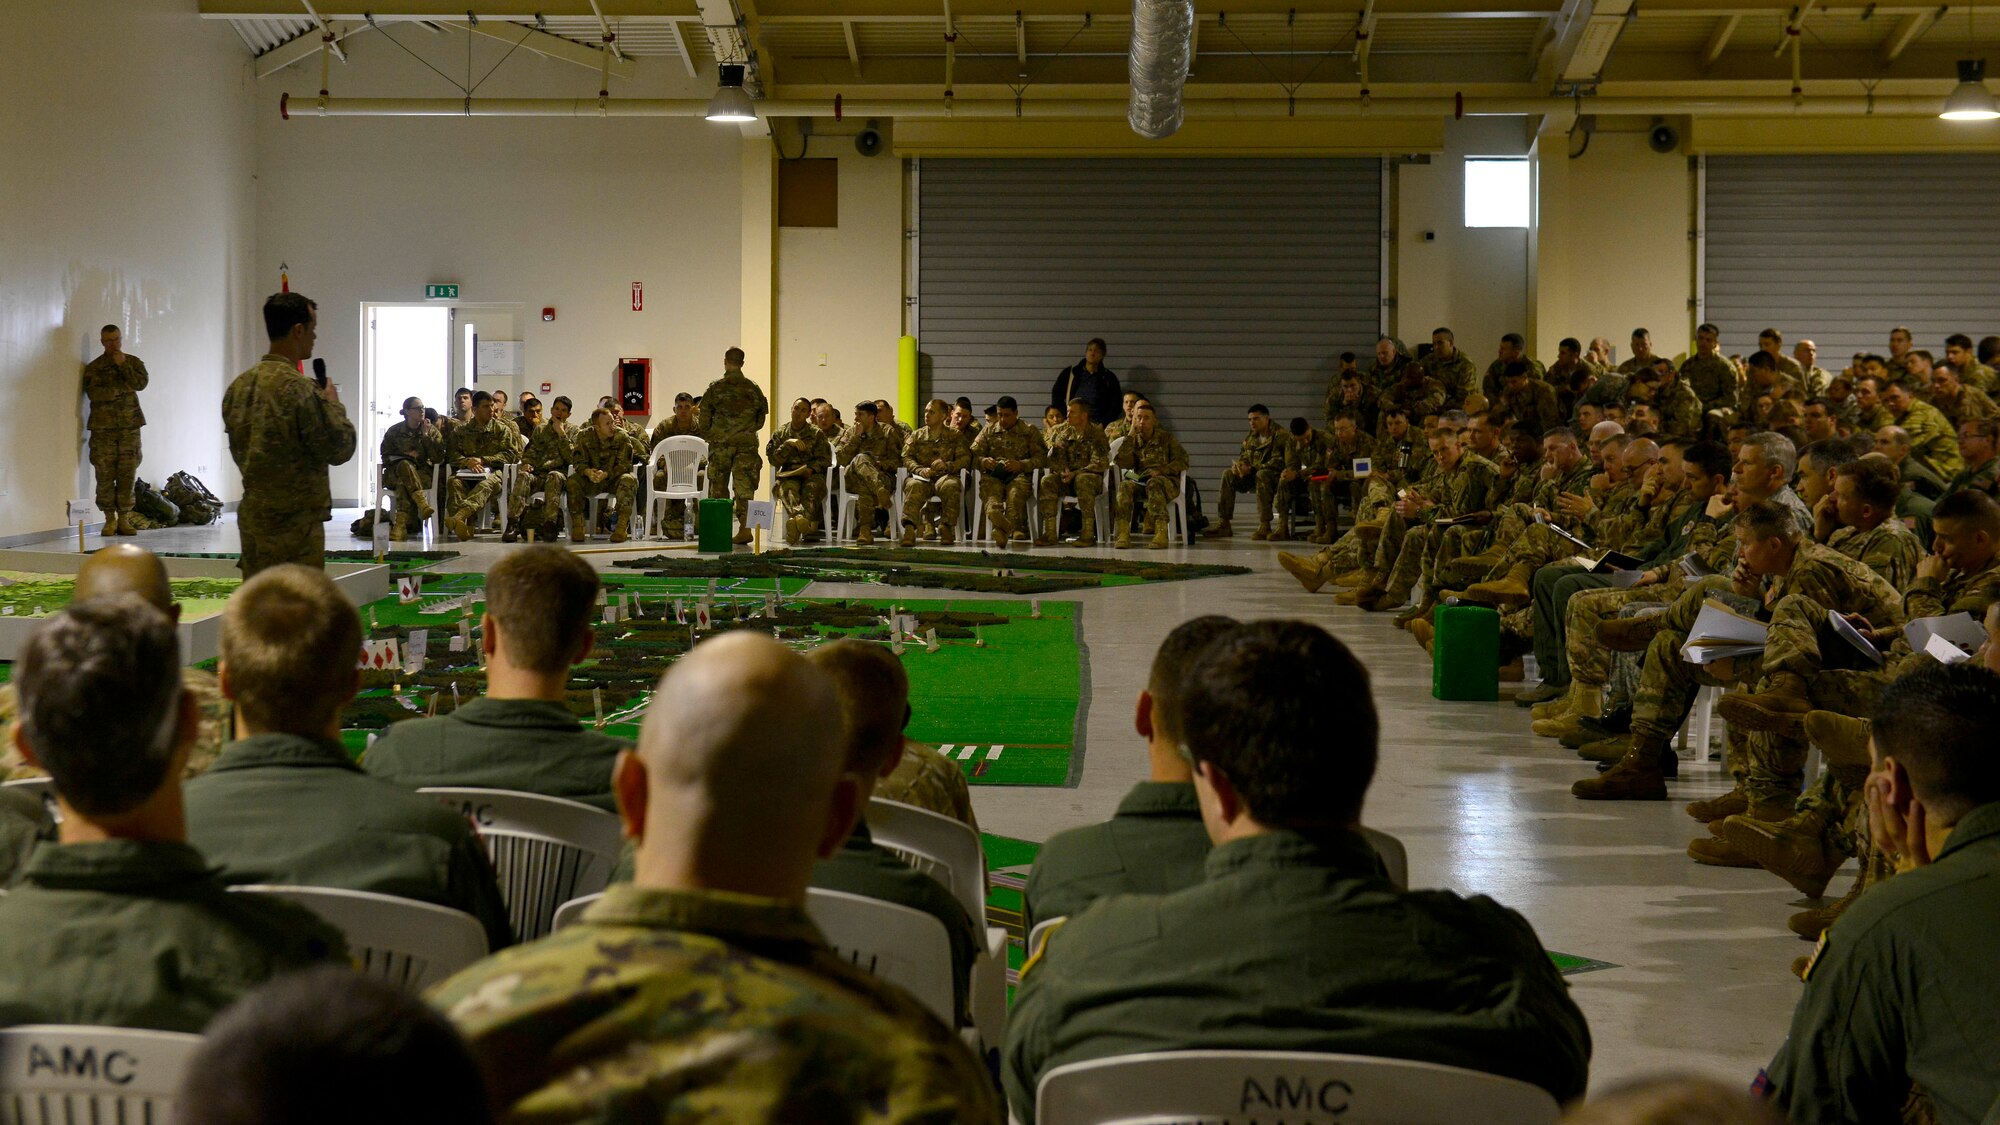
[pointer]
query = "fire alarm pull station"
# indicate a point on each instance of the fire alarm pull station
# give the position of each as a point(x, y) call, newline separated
point(635, 386)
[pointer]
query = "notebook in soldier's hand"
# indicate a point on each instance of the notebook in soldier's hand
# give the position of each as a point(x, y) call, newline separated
point(1721, 633)
point(1855, 637)
point(1950, 639)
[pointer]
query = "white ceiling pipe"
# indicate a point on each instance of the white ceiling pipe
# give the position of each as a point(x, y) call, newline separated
point(1385, 104)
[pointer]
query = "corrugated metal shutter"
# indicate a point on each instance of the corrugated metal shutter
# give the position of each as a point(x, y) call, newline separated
point(1840, 249)
point(1217, 283)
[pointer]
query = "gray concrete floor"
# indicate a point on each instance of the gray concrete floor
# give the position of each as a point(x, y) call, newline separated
point(1702, 982)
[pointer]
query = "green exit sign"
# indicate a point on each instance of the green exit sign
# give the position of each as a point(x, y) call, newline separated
point(440, 292)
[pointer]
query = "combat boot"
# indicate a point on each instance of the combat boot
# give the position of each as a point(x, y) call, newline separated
point(1638, 776)
point(1794, 851)
point(1159, 542)
point(399, 527)
point(1086, 536)
point(742, 535)
point(1306, 570)
point(126, 524)
point(458, 526)
point(1606, 749)
point(1810, 924)
point(1717, 853)
point(1541, 695)
point(622, 530)
point(909, 535)
point(1262, 533)
point(1221, 530)
point(1511, 589)
point(1558, 727)
point(864, 535)
point(1629, 634)
point(947, 532)
point(1781, 708)
point(1481, 563)
point(1358, 577)
point(1384, 601)
point(513, 532)
point(1365, 591)
point(578, 533)
point(1422, 611)
point(1715, 808)
point(1282, 533)
point(1124, 537)
point(1842, 739)
point(1049, 536)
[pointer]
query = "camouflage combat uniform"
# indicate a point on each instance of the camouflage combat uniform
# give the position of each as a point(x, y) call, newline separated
point(794, 447)
point(545, 469)
point(1155, 464)
point(1933, 439)
point(614, 457)
point(699, 1006)
point(732, 411)
point(495, 446)
point(410, 457)
point(1406, 549)
point(115, 419)
point(1457, 375)
point(868, 462)
point(1004, 491)
point(1533, 408)
point(217, 727)
point(922, 450)
point(1889, 549)
point(1712, 378)
point(1085, 452)
point(1265, 456)
point(1680, 411)
point(1427, 397)
point(1307, 459)
point(930, 780)
point(282, 436)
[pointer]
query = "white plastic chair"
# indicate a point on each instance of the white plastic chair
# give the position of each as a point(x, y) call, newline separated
point(546, 850)
point(982, 531)
point(385, 504)
point(408, 943)
point(1700, 725)
point(61, 1074)
point(950, 852)
point(900, 944)
point(958, 518)
point(494, 516)
point(1395, 857)
point(571, 912)
point(829, 506)
point(684, 458)
point(1287, 1085)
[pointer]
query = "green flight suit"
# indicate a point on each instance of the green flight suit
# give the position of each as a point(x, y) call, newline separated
point(1294, 945)
point(283, 436)
point(282, 808)
point(1154, 844)
point(135, 933)
point(705, 1006)
point(526, 745)
point(26, 823)
point(863, 867)
point(1902, 991)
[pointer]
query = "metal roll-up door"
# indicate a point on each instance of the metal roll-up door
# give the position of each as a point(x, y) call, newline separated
point(1216, 283)
point(1840, 249)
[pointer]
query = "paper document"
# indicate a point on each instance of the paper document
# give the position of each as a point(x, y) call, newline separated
point(1854, 637)
point(1720, 633)
point(1959, 633)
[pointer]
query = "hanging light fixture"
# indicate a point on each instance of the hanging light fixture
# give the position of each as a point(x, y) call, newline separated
point(1972, 101)
point(730, 102)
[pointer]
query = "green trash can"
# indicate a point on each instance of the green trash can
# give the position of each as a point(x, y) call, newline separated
point(1465, 653)
point(715, 521)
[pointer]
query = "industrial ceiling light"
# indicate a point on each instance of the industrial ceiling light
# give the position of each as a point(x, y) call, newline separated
point(730, 103)
point(1972, 101)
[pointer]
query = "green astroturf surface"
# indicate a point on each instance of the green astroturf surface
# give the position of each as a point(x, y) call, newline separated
point(1007, 863)
point(1002, 703)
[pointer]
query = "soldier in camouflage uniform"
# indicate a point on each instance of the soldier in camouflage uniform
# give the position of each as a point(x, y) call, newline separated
point(1347, 441)
point(1513, 349)
point(1006, 454)
point(1458, 485)
point(1956, 401)
point(1151, 459)
point(1415, 393)
point(1776, 560)
point(680, 423)
point(112, 383)
point(412, 449)
point(1308, 460)
point(930, 780)
point(544, 469)
point(1265, 453)
point(1078, 456)
point(1710, 375)
point(1391, 356)
point(1529, 401)
point(1564, 497)
point(934, 456)
point(869, 454)
point(732, 411)
point(1642, 353)
point(601, 461)
point(1452, 369)
point(799, 455)
point(1395, 460)
point(283, 433)
point(706, 993)
point(1978, 440)
point(1933, 439)
point(482, 446)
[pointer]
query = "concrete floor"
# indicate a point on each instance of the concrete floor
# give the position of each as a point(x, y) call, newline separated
point(1702, 982)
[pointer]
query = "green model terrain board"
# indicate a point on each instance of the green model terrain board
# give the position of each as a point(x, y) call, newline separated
point(999, 696)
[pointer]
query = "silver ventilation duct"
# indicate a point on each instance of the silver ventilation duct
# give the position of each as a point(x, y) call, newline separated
point(1162, 41)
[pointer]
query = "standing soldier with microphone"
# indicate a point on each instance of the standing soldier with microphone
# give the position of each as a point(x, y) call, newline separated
point(283, 434)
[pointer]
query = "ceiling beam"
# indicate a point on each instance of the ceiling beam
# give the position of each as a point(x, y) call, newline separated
point(679, 36)
point(1907, 30)
point(853, 48)
point(300, 49)
point(546, 45)
point(1718, 40)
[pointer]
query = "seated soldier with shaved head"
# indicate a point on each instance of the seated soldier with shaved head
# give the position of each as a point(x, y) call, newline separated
point(701, 990)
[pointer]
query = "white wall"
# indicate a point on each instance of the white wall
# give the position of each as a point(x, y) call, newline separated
point(1471, 280)
point(538, 212)
point(840, 290)
point(125, 197)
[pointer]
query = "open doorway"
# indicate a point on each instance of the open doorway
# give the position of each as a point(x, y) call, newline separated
point(406, 350)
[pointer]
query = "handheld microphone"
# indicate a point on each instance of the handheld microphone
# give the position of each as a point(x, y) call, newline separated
point(319, 371)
